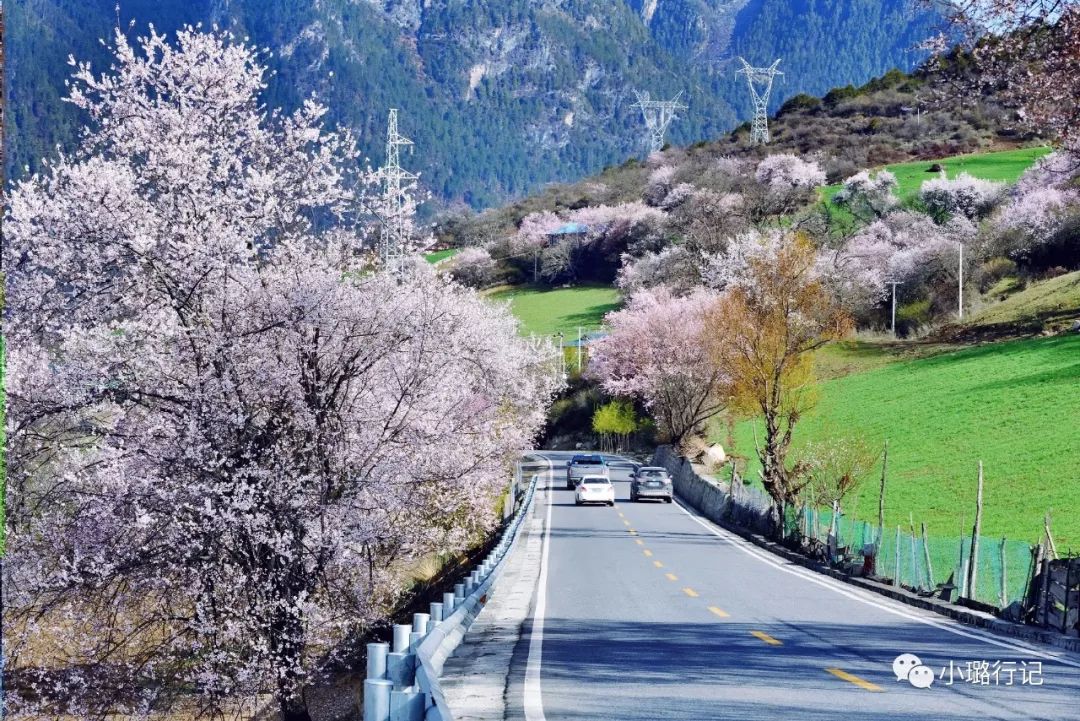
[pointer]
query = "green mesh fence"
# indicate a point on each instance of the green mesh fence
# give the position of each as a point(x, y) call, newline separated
point(1004, 566)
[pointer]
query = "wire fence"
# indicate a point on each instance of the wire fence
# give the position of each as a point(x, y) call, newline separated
point(913, 559)
point(906, 557)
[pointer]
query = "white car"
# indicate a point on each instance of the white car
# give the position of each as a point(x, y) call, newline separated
point(595, 489)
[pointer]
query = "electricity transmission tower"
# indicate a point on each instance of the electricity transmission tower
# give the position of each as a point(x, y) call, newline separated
point(396, 206)
point(658, 115)
point(760, 81)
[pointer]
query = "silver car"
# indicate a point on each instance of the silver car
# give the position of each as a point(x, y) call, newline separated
point(651, 482)
point(584, 464)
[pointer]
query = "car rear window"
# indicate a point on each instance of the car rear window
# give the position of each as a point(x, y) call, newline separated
point(588, 462)
point(654, 474)
point(595, 481)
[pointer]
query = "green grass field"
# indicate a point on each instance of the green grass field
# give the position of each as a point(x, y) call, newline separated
point(1013, 405)
point(546, 312)
point(1005, 165)
point(441, 255)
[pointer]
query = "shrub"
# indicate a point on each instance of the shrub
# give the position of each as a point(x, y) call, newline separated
point(993, 271)
point(802, 101)
point(910, 317)
point(972, 197)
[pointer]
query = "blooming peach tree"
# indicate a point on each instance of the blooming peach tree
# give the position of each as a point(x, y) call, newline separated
point(227, 441)
point(658, 351)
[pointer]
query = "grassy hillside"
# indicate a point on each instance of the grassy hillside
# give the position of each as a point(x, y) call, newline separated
point(1004, 165)
point(546, 312)
point(1014, 405)
point(1052, 304)
point(439, 256)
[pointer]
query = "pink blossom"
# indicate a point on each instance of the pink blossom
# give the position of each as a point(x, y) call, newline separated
point(784, 171)
point(656, 351)
point(966, 195)
point(673, 267)
point(228, 441)
point(472, 266)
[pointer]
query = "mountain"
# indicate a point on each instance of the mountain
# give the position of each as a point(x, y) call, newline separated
point(501, 96)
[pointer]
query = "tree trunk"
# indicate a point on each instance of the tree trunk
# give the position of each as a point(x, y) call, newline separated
point(294, 708)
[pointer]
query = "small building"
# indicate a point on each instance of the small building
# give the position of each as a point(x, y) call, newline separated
point(568, 231)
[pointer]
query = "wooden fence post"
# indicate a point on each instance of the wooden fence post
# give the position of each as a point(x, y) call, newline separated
point(929, 564)
point(896, 570)
point(1004, 577)
point(914, 556)
point(1067, 597)
point(1049, 537)
point(881, 495)
point(973, 563)
point(1044, 595)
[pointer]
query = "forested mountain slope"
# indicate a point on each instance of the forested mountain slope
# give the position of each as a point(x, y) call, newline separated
point(501, 96)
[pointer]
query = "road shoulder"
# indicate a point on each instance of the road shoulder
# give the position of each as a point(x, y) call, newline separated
point(477, 678)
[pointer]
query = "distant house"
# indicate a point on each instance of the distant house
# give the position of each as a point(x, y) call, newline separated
point(568, 231)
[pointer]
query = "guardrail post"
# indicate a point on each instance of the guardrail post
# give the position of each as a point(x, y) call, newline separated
point(459, 594)
point(377, 699)
point(419, 622)
point(401, 637)
point(415, 638)
point(401, 669)
point(447, 604)
point(436, 612)
point(376, 660)
point(406, 706)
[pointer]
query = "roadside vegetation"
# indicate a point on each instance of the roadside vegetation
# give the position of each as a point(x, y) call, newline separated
point(237, 438)
point(1012, 405)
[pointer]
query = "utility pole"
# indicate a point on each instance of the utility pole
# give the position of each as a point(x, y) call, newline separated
point(579, 349)
point(760, 81)
point(396, 209)
point(893, 283)
point(960, 284)
point(562, 356)
point(658, 115)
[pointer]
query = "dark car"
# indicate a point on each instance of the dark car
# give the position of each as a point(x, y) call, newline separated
point(584, 465)
point(651, 482)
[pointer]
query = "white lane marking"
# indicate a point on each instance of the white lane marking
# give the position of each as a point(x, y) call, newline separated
point(838, 587)
point(534, 702)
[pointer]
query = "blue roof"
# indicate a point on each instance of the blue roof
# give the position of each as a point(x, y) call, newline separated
point(585, 339)
point(570, 229)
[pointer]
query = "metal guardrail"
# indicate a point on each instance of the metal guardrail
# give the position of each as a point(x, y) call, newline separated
point(403, 684)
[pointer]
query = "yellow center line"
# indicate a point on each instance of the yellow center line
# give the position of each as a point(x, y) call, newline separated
point(766, 638)
point(690, 592)
point(626, 522)
point(657, 564)
point(671, 577)
point(639, 542)
point(647, 552)
point(719, 611)
point(851, 678)
point(620, 514)
point(632, 531)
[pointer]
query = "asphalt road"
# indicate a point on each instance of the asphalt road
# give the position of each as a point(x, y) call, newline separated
point(646, 611)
